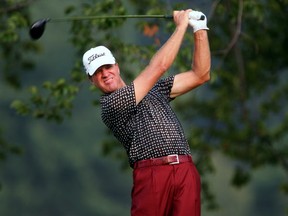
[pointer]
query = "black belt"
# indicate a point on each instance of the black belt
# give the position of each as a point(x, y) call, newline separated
point(166, 160)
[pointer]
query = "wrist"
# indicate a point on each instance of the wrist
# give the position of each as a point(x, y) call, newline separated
point(200, 32)
point(182, 28)
point(200, 28)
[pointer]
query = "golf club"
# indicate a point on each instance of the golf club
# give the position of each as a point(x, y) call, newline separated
point(37, 28)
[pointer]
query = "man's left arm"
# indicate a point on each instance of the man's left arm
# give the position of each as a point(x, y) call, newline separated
point(200, 71)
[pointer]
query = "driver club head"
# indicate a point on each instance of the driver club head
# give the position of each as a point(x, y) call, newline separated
point(37, 28)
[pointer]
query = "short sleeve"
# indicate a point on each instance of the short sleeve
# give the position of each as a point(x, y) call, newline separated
point(164, 86)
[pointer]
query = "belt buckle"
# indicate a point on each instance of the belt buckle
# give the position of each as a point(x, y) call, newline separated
point(175, 162)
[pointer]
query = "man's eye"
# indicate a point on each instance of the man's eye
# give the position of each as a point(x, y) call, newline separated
point(108, 66)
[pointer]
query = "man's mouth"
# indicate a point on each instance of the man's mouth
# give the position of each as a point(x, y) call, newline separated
point(108, 80)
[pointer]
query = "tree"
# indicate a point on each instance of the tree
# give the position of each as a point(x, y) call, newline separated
point(14, 17)
point(241, 112)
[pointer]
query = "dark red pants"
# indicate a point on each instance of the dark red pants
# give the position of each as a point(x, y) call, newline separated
point(166, 190)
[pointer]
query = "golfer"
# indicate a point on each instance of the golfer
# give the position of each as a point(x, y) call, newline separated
point(165, 180)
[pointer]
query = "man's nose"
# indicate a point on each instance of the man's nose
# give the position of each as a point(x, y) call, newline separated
point(104, 72)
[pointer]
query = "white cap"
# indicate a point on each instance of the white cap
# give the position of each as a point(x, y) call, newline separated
point(97, 57)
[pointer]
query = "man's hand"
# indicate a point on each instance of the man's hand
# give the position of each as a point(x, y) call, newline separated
point(180, 18)
point(197, 20)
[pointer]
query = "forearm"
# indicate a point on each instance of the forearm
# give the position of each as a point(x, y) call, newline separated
point(201, 58)
point(166, 55)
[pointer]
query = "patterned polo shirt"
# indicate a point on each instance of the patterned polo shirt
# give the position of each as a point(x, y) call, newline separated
point(149, 129)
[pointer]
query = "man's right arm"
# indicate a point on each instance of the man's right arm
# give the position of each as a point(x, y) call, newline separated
point(163, 59)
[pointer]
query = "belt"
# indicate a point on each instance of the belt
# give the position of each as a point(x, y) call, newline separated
point(166, 160)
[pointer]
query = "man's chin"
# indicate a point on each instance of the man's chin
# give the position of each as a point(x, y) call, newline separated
point(110, 89)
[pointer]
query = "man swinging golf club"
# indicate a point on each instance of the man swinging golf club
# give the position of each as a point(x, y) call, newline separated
point(165, 180)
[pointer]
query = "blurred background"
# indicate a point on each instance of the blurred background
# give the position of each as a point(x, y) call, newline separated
point(58, 158)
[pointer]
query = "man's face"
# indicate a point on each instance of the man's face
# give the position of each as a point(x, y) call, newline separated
point(107, 78)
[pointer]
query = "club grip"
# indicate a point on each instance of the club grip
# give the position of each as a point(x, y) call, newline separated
point(168, 16)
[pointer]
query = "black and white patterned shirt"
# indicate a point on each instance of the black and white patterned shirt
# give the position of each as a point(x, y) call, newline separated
point(149, 129)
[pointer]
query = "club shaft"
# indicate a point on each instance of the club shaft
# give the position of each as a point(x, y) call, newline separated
point(76, 18)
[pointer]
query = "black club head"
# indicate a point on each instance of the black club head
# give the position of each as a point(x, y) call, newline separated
point(37, 29)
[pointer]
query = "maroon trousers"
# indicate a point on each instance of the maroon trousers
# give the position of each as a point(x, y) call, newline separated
point(166, 190)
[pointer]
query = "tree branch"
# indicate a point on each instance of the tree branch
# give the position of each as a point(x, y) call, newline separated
point(235, 37)
point(213, 8)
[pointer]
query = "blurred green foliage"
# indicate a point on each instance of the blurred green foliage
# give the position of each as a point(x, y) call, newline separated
point(54, 105)
point(241, 113)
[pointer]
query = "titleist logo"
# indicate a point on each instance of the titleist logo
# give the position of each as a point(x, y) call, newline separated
point(95, 56)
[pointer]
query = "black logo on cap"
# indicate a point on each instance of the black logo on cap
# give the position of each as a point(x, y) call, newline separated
point(95, 56)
